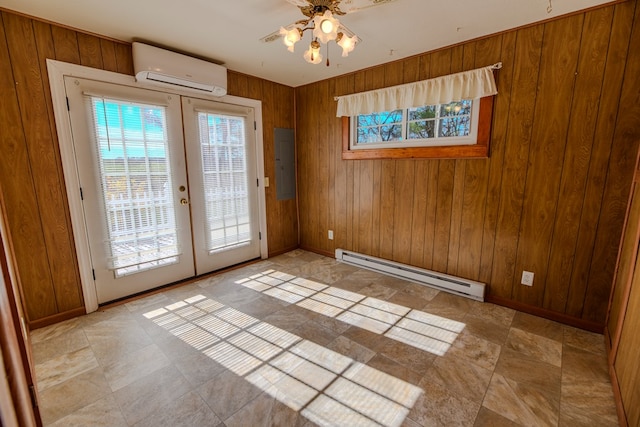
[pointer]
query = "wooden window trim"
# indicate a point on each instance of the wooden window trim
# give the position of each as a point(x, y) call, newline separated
point(478, 151)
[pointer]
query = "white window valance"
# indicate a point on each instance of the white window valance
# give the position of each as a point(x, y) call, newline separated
point(472, 84)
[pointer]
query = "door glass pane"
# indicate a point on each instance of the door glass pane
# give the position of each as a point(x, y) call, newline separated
point(133, 159)
point(224, 167)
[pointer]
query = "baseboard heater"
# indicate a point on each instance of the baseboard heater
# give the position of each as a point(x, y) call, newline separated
point(443, 282)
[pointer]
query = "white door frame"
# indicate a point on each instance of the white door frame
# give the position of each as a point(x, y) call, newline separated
point(57, 70)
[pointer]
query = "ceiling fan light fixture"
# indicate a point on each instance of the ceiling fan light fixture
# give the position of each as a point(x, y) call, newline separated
point(313, 55)
point(325, 27)
point(346, 43)
point(290, 37)
point(320, 19)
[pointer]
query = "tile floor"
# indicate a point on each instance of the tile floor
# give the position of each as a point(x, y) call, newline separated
point(301, 340)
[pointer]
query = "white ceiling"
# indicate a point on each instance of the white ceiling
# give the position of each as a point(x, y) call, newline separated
point(229, 31)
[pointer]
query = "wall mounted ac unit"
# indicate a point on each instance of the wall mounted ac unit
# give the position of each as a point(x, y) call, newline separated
point(169, 69)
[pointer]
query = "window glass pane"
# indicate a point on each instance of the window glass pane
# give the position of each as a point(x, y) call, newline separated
point(427, 112)
point(458, 126)
point(428, 122)
point(391, 133)
point(455, 108)
point(136, 184)
point(225, 178)
point(421, 130)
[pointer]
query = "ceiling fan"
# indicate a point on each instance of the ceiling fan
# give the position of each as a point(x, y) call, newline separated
point(320, 19)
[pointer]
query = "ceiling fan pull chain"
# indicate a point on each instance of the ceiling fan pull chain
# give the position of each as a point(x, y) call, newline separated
point(327, 54)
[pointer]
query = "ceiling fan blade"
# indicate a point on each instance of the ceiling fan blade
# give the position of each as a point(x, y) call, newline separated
point(350, 6)
point(299, 3)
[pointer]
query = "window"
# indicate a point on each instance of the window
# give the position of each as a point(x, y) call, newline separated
point(441, 141)
point(454, 123)
point(443, 117)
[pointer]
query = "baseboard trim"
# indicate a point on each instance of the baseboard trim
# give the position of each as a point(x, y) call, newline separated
point(547, 314)
point(56, 318)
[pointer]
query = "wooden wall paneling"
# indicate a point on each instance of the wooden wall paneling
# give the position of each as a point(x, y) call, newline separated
point(502, 107)
point(374, 79)
point(627, 256)
point(625, 144)
point(237, 84)
point(430, 213)
point(343, 85)
point(411, 251)
point(516, 158)
point(390, 225)
point(20, 196)
point(605, 126)
point(465, 60)
point(45, 165)
point(474, 198)
point(334, 136)
point(288, 208)
point(418, 214)
point(124, 58)
point(323, 143)
point(431, 187)
point(441, 65)
point(303, 162)
point(555, 90)
point(626, 365)
point(90, 51)
point(275, 236)
point(582, 122)
point(108, 54)
point(65, 42)
point(387, 199)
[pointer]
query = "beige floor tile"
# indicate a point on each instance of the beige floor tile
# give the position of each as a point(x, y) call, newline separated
point(485, 328)
point(538, 326)
point(103, 413)
point(589, 341)
point(188, 410)
point(393, 368)
point(504, 368)
point(227, 393)
point(439, 407)
point(151, 394)
point(522, 369)
point(577, 416)
point(134, 366)
point(488, 418)
point(476, 350)
point(521, 403)
point(460, 377)
point(352, 349)
point(62, 368)
point(264, 411)
point(535, 346)
point(65, 398)
point(55, 330)
point(64, 341)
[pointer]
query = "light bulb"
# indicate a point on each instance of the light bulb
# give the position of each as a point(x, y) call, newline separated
point(347, 44)
point(313, 55)
point(325, 27)
point(290, 37)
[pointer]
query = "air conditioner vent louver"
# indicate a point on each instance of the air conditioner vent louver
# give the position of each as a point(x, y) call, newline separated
point(169, 69)
point(444, 282)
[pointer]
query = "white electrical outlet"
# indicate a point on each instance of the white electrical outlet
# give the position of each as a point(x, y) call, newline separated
point(330, 234)
point(527, 278)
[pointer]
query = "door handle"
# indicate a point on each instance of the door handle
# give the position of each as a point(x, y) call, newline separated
point(184, 202)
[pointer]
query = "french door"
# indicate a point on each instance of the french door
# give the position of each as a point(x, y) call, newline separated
point(145, 225)
point(219, 138)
